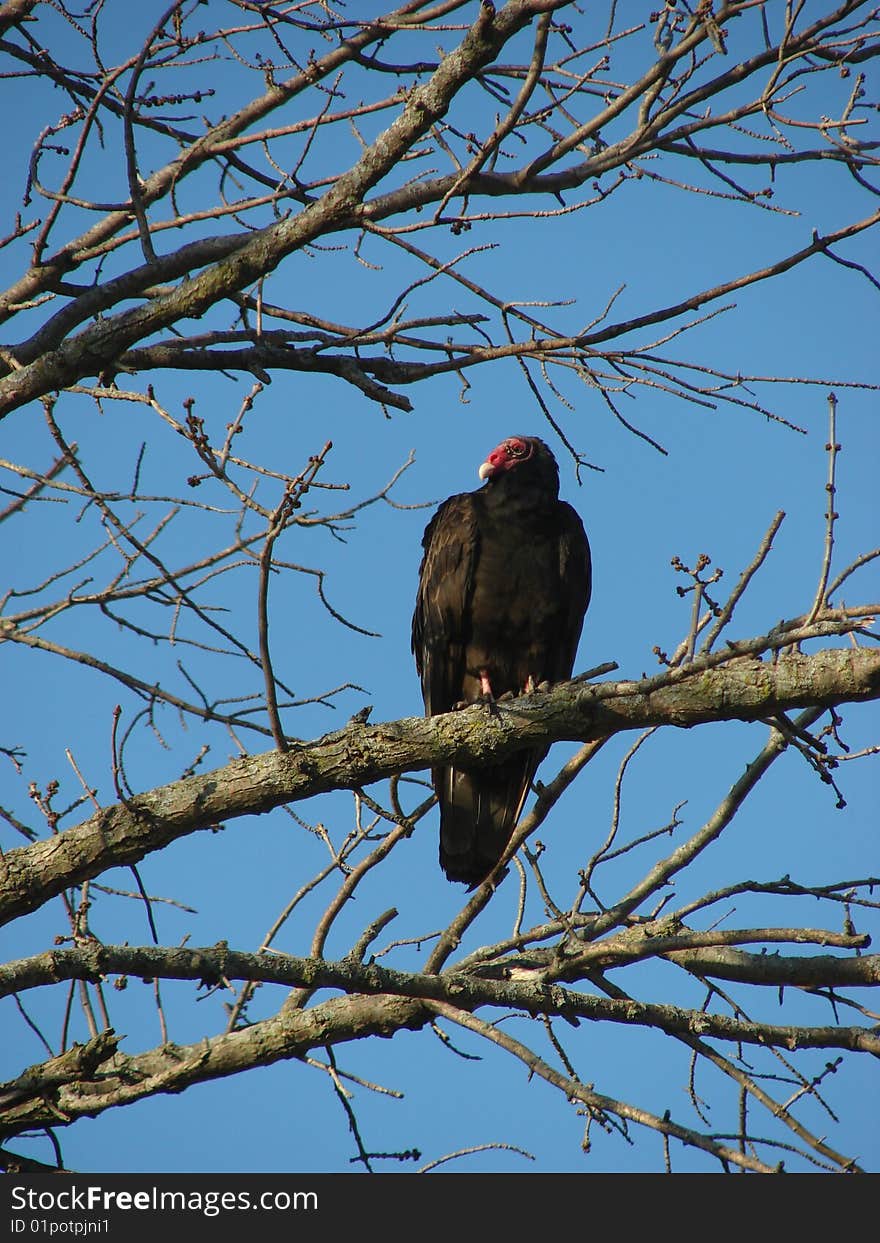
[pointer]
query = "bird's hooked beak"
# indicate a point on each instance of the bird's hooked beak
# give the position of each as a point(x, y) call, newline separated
point(494, 464)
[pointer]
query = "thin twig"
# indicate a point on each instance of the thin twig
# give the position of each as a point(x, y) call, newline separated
point(832, 448)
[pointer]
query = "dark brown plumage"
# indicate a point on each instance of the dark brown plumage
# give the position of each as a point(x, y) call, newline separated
point(503, 588)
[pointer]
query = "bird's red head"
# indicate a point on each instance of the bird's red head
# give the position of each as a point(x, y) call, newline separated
point(506, 456)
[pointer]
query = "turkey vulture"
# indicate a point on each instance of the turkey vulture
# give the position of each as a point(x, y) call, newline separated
point(503, 588)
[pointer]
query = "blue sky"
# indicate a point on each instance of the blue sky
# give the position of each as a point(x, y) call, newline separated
point(726, 473)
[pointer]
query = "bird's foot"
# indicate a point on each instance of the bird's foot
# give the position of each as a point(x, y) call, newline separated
point(490, 703)
point(482, 701)
point(487, 697)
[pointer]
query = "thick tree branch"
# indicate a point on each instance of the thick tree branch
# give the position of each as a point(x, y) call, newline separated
point(13, 11)
point(740, 689)
point(513, 984)
point(78, 1083)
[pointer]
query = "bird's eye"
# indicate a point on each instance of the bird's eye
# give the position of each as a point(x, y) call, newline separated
point(516, 448)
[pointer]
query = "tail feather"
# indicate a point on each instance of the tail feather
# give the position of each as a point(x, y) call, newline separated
point(478, 812)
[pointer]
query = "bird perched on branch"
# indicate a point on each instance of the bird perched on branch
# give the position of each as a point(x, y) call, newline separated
point(503, 588)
